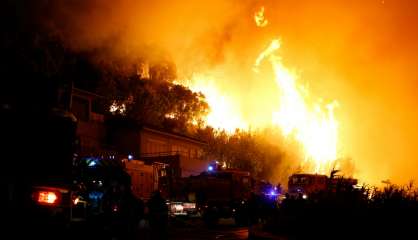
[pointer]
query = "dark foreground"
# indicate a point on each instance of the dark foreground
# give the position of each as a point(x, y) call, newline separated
point(185, 229)
point(195, 229)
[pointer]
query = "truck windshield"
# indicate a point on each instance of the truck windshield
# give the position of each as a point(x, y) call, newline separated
point(299, 180)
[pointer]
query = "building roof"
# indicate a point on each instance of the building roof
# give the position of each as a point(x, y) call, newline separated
point(172, 134)
point(85, 93)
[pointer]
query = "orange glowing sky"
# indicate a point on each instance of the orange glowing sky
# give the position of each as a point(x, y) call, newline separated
point(362, 53)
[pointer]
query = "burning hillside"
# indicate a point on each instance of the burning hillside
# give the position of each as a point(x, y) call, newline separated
point(340, 82)
point(312, 123)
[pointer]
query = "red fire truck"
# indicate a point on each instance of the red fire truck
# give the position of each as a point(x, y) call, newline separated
point(215, 193)
point(304, 184)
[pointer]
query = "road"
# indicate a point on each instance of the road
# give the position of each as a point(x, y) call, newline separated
point(220, 233)
point(196, 230)
point(190, 229)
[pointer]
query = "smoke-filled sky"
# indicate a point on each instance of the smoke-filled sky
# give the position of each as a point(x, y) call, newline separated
point(362, 53)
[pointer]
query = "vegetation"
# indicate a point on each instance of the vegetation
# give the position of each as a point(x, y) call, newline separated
point(347, 213)
point(253, 151)
point(153, 99)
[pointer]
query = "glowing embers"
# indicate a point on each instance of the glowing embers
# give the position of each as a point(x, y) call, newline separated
point(259, 18)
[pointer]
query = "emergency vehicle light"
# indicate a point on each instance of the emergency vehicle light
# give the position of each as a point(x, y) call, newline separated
point(47, 197)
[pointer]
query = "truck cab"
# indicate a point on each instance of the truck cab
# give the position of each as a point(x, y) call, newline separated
point(39, 149)
point(303, 185)
point(220, 193)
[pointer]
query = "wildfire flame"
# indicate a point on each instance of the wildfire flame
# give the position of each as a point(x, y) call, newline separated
point(224, 113)
point(313, 125)
point(259, 18)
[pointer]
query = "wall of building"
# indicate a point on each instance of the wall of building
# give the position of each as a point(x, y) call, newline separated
point(90, 126)
point(91, 135)
point(154, 143)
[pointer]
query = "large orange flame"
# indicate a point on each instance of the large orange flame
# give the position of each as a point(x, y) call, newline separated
point(224, 113)
point(313, 124)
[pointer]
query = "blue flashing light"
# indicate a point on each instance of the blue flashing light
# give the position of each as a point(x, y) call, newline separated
point(273, 193)
point(130, 157)
point(92, 163)
point(210, 168)
point(95, 195)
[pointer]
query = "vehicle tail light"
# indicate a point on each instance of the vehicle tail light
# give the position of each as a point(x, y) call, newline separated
point(189, 205)
point(115, 208)
point(46, 197)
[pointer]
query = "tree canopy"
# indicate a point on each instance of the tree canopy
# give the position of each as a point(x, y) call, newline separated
point(258, 152)
point(153, 99)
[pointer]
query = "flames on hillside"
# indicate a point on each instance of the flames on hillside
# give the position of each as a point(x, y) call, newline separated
point(301, 117)
point(338, 79)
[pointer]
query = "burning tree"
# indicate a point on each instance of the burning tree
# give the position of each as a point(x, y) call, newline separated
point(153, 99)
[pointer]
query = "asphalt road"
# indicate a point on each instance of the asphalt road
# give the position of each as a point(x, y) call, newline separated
point(190, 229)
point(195, 229)
point(219, 233)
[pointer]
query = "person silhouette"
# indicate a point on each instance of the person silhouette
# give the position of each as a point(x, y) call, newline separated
point(158, 216)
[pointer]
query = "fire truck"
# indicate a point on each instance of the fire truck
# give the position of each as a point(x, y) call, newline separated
point(38, 151)
point(49, 189)
point(304, 185)
point(213, 194)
